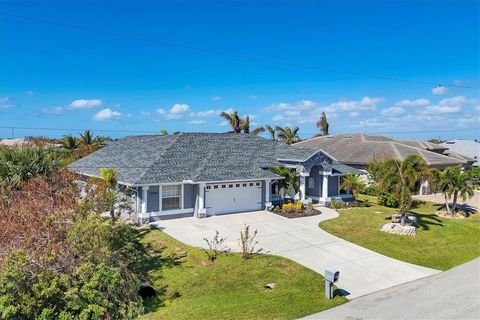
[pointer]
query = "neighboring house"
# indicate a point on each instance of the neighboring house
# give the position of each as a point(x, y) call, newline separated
point(203, 174)
point(359, 150)
point(465, 148)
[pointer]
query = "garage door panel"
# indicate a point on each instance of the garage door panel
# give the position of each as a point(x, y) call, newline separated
point(233, 197)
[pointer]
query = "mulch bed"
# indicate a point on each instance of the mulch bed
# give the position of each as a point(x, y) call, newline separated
point(292, 215)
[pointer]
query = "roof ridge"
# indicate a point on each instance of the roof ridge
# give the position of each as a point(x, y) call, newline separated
point(392, 143)
point(175, 138)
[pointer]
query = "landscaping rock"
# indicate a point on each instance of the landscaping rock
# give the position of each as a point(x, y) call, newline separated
point(271, 285)
point(397, 228)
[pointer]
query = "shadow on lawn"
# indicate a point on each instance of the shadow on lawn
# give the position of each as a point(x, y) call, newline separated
point(424, 221)
point(155, 261)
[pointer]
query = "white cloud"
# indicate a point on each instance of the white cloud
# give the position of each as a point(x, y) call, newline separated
point(85, 104)
point(412, 103)
point(216, 98)
point(369, 123)
point(145, 113)
point(393, 111)
point(366, 103)
point(176, 112)
point(179, 108)
point(210, 113)
point(197, 121)
point(435, 109)
point(354, 114)
point(106, 114)
point(439, 90)
point(4, 104)
point(458, 101)
point(253, 97)
point(224, 123)
point(30, 93)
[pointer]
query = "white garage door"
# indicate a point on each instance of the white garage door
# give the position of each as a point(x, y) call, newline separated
point(233, 197)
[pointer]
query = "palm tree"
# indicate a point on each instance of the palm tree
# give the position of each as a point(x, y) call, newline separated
point(245, 124)
point(401, 177)
point(69, 142)
point(109, 177)
point(287, 135)
point(323, 125)
point(258, 130)
point(88, 141)
point(19, 165)
point(271, 130)
point(233, 119)
point(453, 182)
point(290, 181)
point(353, 183)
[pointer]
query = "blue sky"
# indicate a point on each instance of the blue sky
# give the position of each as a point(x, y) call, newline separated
point(58, 77)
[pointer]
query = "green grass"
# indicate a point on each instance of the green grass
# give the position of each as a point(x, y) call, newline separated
point(191, 287)
point(440, 243)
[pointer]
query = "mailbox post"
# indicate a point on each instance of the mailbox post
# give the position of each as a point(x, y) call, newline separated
point(331, 276)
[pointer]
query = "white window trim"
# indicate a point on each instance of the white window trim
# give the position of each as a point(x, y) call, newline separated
point(181, 200)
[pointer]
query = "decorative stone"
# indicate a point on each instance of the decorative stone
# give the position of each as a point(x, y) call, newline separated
point(397, 228)
point(271, 285)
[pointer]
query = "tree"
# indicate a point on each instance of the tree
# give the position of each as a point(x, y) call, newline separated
point(69, 142)
point(109, 177)
point(271, 130)
point(399, 177)
point(353, 183)
point(88, 141)
point(245, 124)
point(323, 125)
point(287, 135)
point(453, 182)
point(258, 130)
point(164, 132)
point(290, 179)
point(233, 119)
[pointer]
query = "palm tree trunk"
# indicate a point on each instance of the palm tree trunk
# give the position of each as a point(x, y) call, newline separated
point(446, 203)
point(454, 203)
point(403, 219)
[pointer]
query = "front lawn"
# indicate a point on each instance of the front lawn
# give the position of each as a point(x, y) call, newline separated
point(440, 243)
point(191, 287)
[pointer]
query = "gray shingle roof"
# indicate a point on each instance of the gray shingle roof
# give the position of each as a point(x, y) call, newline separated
point(190, 156)
point(360, 149)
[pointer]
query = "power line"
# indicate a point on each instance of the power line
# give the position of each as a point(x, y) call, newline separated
point(225, 53)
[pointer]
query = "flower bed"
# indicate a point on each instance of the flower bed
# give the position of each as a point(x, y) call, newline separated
point(295, 210)
point(349, 205)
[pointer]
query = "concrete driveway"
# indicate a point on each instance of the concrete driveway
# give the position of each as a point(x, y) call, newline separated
point(452, 294)
point(362, 271)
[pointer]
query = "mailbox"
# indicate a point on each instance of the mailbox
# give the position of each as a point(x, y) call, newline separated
point(332, 275)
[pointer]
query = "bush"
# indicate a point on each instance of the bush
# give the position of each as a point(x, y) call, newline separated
point(79, 266)
point(388, 200)
point(370, 190)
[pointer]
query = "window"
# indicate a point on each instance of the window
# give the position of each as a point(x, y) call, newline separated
point(251, 184)
point(224, 186)
point(257, 184)
point(209, 187)
point(311, 182)
point(244, 185)
point(237, 185)
point(230, 185)
point(171, 197)
point(215, 186)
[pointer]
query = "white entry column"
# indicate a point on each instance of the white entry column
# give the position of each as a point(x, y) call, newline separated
point(325, 187)
point(268, 191)
point(302, 187)
point(143, 213)
point(202, 212)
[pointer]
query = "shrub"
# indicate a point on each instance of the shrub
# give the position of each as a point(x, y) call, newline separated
point(248, 243)
point(298, 207)
point(370, 190)
point(215, 246)
point(388, 200)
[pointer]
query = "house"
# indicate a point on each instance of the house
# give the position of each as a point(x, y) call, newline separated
point(204, 174)
point(359, 150)
point(464, 148)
